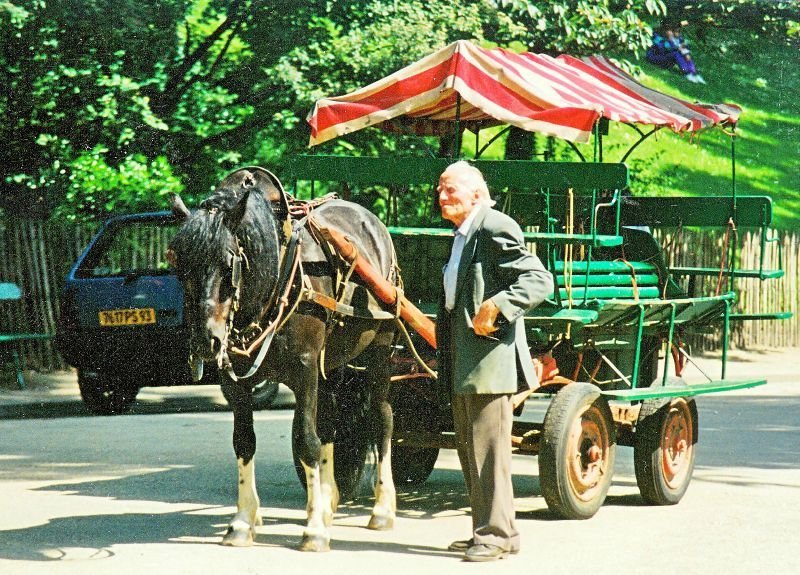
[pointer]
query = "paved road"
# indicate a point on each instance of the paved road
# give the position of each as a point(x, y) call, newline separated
point(151, 492)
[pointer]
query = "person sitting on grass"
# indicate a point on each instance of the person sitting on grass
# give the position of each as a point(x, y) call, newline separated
point(669, 49)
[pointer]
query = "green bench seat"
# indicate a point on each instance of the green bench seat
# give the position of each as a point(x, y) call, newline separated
point(11, 292)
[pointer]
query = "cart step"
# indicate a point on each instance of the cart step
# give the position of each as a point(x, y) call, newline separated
point(636, 394)
point(759, 274)
point(758, 316)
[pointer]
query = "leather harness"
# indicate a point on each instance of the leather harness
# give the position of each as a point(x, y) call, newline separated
point(281, 305)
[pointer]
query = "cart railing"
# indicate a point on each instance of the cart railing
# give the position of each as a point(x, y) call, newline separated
point(615, 298)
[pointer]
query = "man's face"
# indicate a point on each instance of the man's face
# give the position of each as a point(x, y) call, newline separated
point(456, 199)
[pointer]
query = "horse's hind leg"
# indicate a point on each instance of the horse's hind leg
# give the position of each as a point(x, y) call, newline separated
point(385, 509)
point(241, 530)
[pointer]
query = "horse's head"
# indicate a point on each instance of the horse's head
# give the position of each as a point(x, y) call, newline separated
point(226, 257)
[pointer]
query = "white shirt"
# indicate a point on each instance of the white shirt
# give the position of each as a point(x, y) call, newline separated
point(451, 269)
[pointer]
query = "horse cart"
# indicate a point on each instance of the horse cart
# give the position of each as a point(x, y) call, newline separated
point(612, 341)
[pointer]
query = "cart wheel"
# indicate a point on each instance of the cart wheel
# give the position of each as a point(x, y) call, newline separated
point(264, 393)
point(577, 453)
point(412, 412)
point(664, 447)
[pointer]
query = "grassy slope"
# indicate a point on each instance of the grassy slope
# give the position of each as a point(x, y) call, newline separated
point(765, 83)
point(764, 80)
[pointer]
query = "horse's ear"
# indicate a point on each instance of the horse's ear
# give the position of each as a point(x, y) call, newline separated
point(178, 207)
point(234, 217)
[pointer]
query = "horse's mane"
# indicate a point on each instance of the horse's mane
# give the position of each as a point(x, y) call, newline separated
point(204, 239)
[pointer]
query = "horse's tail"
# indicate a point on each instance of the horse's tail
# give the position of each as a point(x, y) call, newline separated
point(355, 434)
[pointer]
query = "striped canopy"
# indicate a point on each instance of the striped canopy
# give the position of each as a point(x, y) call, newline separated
point(562, 97)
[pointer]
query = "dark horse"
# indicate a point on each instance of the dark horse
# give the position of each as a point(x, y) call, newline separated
point(232, 255)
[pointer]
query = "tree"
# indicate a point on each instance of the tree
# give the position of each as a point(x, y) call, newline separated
point(157, 95)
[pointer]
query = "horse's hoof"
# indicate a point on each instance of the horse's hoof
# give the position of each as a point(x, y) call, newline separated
point(381, 522)
point(315, 543)
point(238, 537)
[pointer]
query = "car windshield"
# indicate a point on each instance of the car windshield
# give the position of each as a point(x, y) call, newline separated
point(130, 249)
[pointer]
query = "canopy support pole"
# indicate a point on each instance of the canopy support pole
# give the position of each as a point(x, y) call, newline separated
point(457, 146)
point(731, 279)
point(642, 138)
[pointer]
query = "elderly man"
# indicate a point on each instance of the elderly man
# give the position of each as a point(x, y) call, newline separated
point(489, 282)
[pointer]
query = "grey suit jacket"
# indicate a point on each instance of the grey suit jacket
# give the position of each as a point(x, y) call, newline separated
point(495, 264)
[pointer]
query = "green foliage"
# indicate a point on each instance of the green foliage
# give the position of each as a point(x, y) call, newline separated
point(754, 18)
point(96, 188)
point(107, 104)
point(581, 27)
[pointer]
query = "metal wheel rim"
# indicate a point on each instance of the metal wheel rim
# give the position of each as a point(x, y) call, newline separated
point(588, 448)
point(676, 443)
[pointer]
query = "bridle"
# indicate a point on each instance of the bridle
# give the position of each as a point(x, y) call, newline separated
point(254, 336)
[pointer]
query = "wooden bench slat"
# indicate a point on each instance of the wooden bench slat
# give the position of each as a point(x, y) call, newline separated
point(610, 292)
point(603, 279)
point(606, 266)
point(9, 291)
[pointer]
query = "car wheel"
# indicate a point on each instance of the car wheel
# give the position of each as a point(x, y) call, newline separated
point(106, 393)
point(264, 393)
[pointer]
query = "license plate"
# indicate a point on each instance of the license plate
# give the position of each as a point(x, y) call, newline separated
point(119, 317)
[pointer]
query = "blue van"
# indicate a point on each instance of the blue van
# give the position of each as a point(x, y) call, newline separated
point(121, 323)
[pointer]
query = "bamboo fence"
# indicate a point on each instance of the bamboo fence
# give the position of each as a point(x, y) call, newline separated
point(37, 255)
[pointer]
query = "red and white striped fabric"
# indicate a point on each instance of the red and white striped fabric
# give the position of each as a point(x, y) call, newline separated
point(562, 97)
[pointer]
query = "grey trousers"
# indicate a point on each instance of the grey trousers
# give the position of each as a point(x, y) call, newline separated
point(483, 440)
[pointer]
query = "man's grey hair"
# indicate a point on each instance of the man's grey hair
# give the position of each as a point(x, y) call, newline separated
point(473, 177)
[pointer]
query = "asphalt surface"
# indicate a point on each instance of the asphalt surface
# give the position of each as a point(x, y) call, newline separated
point(153, 491)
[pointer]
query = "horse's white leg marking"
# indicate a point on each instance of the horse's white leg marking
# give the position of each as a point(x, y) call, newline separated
point(330, 491)
point(315, 535)
point(241, 529)
point(385, 510)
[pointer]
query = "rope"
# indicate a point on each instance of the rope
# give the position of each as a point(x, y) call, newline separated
point(634, 283)
point(413, 349)
point(568, 257)
point(724, 261)
point(568, 253)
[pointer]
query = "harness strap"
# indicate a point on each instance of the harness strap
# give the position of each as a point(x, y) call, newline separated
point(334, 305)
point(289, 268)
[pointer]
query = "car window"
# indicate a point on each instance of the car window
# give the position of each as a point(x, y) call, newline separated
point(132, 248)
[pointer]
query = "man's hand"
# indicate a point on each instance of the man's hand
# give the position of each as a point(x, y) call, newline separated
point(484, 321)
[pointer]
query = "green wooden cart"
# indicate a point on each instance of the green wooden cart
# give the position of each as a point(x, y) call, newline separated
point(618, 322)
point(617, 310)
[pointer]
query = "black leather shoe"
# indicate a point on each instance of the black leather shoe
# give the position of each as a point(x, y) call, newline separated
point(483, 552)
point(461, 545)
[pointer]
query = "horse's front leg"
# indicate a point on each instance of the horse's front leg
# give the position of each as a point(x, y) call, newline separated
point(241, 530)
point(385, 509)
point(317, 460)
